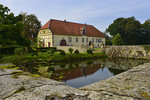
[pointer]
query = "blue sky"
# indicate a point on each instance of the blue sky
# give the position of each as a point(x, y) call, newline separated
point(99, 13)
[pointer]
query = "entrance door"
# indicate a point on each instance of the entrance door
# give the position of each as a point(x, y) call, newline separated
point(43, 44)
point(49, 44)
point(63, 43)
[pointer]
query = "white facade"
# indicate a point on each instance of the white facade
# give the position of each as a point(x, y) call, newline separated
point(49, 40)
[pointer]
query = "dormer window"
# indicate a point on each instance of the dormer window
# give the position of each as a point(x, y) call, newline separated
point(83, 31)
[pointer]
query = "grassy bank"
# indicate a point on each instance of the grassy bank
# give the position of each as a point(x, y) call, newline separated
point(56, 57)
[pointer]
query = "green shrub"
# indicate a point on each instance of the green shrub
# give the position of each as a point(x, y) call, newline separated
point(1, 56)
point(51, 50)
point(35, 54)
point(62, 52)
point(70, 50)
point(89, 51)
point(45, 49)
point(19, 51)
point(76, 51)
point(8, 49)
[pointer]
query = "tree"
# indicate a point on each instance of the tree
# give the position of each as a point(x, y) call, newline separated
point(117, 40)
point(31, 26)
point(146, 32)
point(11, 28)
point(130, 30)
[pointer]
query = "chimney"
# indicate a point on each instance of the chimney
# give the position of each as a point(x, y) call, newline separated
point(64, 20)
point(85, 23)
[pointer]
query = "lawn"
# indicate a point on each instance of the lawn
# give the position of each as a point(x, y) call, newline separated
point(56, 57)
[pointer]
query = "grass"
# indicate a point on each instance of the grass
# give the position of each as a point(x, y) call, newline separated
point(80, 56)
point(56, 57)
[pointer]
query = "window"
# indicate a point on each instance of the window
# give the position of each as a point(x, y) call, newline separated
point(83, 31)
point(48, 31)
point(83, 40)
point(70, 39)
point(43, 31)
point(96, 40)
point(93, 40)
point(86, 39)
point(43, 40)
point(76, 39)
point(99, 40)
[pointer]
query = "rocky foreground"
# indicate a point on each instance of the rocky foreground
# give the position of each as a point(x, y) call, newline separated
point(130, 85)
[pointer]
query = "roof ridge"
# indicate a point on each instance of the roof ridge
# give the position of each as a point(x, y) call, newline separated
point(71, 22)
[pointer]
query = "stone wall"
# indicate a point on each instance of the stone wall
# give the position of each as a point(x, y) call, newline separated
point(133, 84)
point(65, 48)
point(127, 52)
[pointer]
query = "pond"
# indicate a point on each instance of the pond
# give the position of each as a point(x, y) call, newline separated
point(81, 73)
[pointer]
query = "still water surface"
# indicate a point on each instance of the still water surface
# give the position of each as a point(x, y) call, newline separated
point(81, 73)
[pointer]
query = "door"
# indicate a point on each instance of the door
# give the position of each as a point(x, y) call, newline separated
point(63, 43)
point(49, 44)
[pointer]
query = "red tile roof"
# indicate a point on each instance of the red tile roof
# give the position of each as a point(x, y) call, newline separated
point(69, 28)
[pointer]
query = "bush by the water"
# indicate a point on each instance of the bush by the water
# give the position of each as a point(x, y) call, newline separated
point(76, 51)
point(70, 50)
point(19, 51)
point(89, 51)
point(62, 52)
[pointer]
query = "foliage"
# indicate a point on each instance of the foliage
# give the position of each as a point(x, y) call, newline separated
point(31, 26)
point(11, 28)
point(45, 49)
point(1, 56)
point(130, 29)
point(76, 51)
point(9, 49)
point(19, 51)
point(62, 52)
point(108, 42)
point(89, 51)
point(35, 54)
point(146, 32)
point(117, 40)
point(70, 50)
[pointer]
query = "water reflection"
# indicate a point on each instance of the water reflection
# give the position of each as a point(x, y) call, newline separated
point(81, 73)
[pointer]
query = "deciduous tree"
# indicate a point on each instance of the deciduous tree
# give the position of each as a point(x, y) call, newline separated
point(31, 26)
point(117, 40)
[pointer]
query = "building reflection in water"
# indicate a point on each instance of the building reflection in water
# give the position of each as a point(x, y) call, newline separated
point(85, 69)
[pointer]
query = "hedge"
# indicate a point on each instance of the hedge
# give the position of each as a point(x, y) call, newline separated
point(8, 49)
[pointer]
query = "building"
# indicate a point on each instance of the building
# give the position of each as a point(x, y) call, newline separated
point(64, 33)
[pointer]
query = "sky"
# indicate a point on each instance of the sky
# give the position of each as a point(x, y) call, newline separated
point(99, 13)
